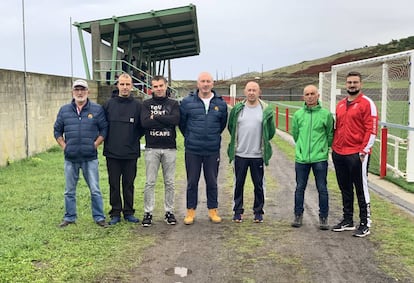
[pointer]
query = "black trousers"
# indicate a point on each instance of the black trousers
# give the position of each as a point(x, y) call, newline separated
point(124, 170)
point(241, 165)
point(350, 173)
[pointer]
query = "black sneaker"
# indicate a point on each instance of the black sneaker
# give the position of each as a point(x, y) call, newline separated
point(170, 218)
point(238, 218)
point(323, 223)
point(344, 225)
point(147, 221)
point(297, 222)
point(362, 231)
point(258, 218)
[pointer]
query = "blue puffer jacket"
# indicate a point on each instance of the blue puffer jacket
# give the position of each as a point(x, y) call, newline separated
point(80, 130)
point(201, 130)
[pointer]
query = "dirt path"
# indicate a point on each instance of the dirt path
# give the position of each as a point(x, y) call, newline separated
point(268, 252)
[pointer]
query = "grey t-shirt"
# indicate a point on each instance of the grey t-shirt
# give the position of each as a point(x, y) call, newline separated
point(249, 132)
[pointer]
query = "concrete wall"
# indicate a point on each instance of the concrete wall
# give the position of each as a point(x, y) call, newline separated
point(45, 94)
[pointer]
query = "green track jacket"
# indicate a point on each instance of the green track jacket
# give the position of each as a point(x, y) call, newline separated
point(312, 131)
point(268, 131)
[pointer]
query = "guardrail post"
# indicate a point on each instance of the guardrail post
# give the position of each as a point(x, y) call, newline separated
point(383, 156)
point(287, 120)
point(277, 117)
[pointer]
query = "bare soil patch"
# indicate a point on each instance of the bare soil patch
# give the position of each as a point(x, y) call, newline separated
point(272, 251)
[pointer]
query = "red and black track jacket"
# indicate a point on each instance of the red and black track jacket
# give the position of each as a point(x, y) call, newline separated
point(355, 126)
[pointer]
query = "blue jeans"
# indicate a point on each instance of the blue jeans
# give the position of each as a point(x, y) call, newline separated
point(91, 175)
point(320, 171)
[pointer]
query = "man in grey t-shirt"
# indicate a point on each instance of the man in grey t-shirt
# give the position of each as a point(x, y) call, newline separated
point(251, 126)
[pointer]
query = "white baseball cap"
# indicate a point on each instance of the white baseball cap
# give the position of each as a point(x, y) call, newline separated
point(81, 83)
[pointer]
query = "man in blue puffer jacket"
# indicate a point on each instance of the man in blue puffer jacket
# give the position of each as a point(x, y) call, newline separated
point(203, 117)
point(79, 129)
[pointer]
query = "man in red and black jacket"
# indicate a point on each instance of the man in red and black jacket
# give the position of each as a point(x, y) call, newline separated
point(355, 131)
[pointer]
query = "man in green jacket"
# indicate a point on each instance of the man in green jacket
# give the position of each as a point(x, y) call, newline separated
point(251, 126)
point(313, 133)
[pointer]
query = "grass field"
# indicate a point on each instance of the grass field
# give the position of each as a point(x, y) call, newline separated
point(34, 249)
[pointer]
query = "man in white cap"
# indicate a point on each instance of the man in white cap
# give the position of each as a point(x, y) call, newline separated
point(79, 129)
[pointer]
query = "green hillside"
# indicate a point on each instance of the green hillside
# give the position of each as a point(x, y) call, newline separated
point(306, 72)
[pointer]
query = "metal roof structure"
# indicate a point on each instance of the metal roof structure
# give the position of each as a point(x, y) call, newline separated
point(153, 36)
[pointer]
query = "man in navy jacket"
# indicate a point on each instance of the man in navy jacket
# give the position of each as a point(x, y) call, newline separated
point(203, 117)
point(79, 129)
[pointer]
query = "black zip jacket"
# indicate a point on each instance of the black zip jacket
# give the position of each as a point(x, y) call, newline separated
point(124, 131)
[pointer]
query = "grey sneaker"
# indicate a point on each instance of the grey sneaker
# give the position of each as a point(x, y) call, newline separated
point(344, 225)
point(323, 223)
point(297, 222)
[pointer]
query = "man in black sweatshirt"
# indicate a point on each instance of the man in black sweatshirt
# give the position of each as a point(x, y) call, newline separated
point(122, 149)
point(159, 116)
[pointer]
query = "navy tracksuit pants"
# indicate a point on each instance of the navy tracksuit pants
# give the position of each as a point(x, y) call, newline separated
point(256, 165)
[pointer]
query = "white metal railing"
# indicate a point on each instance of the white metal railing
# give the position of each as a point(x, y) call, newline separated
point(140, 85)
point(397, 144)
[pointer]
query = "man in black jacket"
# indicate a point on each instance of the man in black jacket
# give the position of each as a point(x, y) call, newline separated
point(159, 116)
point(122, 149)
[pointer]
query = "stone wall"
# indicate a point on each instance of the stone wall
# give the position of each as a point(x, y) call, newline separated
point(23, 135)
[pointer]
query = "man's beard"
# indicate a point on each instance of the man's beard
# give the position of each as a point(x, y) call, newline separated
point(80, 99)
point(353, 92)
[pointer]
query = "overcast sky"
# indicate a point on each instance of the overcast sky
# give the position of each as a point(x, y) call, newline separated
point(236, 36)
